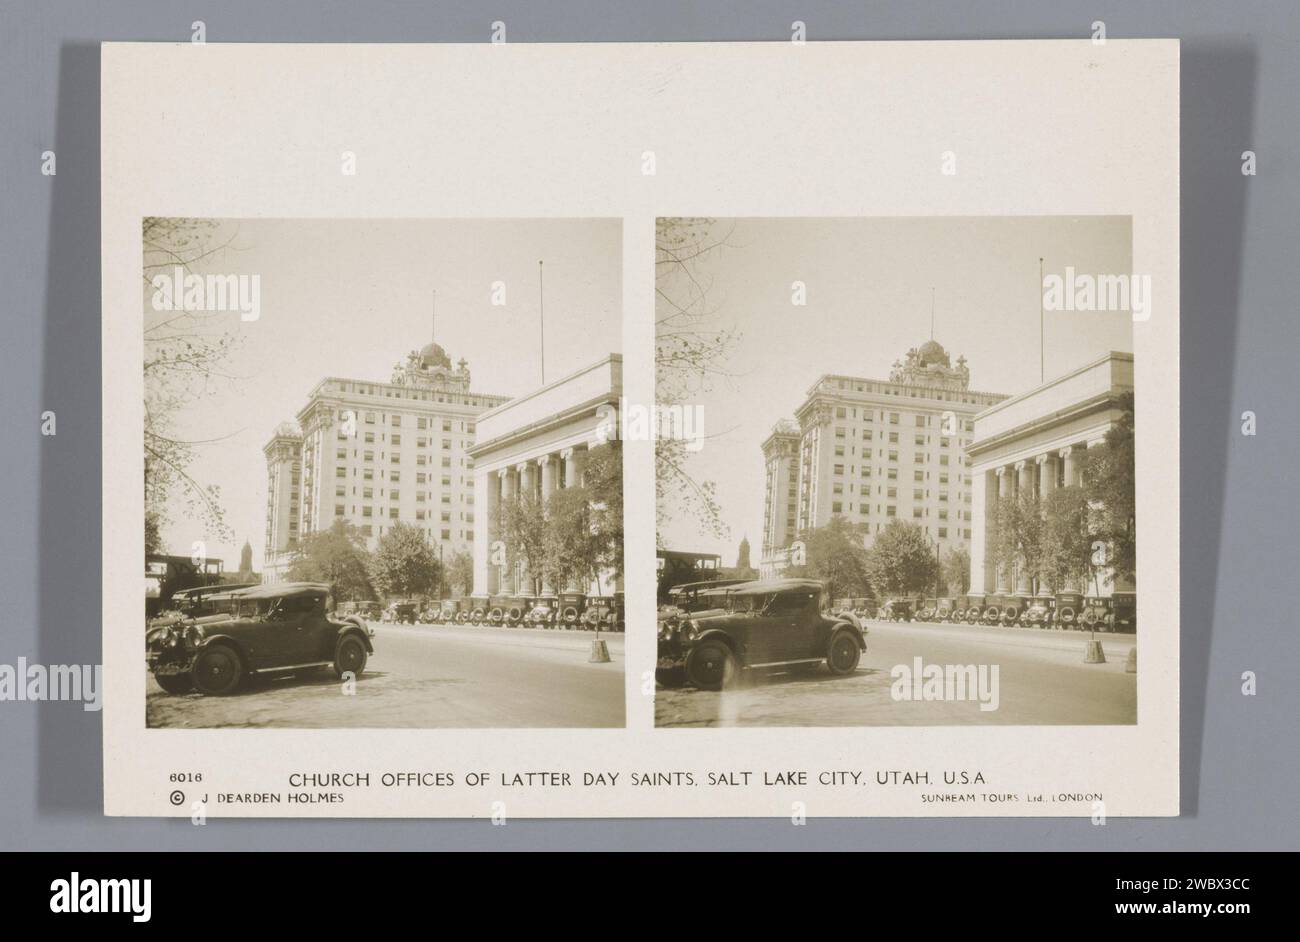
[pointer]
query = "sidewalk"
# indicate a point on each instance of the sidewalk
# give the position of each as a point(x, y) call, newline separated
point(1114, 644)
point(560, 639)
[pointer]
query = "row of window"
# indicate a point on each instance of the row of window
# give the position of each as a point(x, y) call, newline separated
point(895, 418)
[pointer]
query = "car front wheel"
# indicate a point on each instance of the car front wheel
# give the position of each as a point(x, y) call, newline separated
point(843, 656)
point(350, 657)
point(175, 684)
point(710, 665)
point(217, 671)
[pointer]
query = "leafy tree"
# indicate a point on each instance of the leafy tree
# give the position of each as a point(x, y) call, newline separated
point(458, 573)
point(337, 556)
point(956, 570)
point(690, 347)
point(1067, 538)
point(1017, 534)
point(1109, 482)
point(183, 354)
point(403, 563)
point(573, 550)
point(153, 521)
point(522, 525)
point(901, 560)
point(836, 554)
point(603, 487)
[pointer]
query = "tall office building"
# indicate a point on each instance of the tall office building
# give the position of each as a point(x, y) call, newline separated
point(376, 454)
point(872, 451)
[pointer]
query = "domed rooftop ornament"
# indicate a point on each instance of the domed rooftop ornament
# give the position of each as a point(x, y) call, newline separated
point(432, 355)
point(932, 352)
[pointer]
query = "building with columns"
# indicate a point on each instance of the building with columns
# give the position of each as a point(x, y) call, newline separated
point(1033, 443)
point(872, 451)
point(376, 454)
point(537, 444)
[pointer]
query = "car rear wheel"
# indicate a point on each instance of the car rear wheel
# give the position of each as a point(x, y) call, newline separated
point(217, 671)
point(710, 665)
point(843, 655)
point(350, 657)
point(175, 684)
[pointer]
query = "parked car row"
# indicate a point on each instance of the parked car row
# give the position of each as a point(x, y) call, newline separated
point(569, 611)
point(1066, 610)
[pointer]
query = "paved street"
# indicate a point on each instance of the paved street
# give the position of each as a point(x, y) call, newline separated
point(426, 676)
point(1042, 680)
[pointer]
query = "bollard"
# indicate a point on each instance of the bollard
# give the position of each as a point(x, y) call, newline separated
point(1094, 654)
point(599, 653)
point(1131, 665)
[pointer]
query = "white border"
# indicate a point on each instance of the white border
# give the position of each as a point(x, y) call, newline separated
point(749, 129)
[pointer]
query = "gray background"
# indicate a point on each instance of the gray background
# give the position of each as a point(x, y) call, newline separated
point(1240, 73)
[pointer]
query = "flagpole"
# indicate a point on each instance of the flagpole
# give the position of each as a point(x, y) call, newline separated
point(541, 319)
point(1042, 356)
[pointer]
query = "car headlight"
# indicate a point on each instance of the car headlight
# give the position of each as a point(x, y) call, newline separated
point(690, 631)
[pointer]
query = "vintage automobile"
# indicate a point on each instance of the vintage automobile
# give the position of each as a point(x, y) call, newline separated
point(691, 597)
point(541, 615)
point(515, 609)
point(863, 608)
point(1124, 609)
point(897, 610)
point(604, 613)
point(497, 607)
point(992, 613)
point(401, 613)
point(1012, 612)
point(1069, 606)
point(570, 607)
point(366, 611)
point(448, 610)
point(1040, 613)
point(781, 623)
point(1096, 614)
point(198, 601)
point(289, 627)
point(943, 609)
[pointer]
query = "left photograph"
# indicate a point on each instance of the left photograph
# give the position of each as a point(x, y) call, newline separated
point(383, 485)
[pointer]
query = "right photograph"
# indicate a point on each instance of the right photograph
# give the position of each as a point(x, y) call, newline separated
point(895, 471)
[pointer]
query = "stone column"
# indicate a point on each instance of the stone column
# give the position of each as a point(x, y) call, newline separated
point(1001, 586)
point(1069, 478)
point(506, 484)
point(547, 464)
point(573, 461)
point(1025, 486)
point(527, 488)
point(1046, 484)
point(549, 482)
point(481, 530)
point(1071, 466)
point(1046, 474)
point(982, 489)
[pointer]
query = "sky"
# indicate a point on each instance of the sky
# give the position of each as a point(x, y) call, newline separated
point(351, 298)
point(869, 285)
